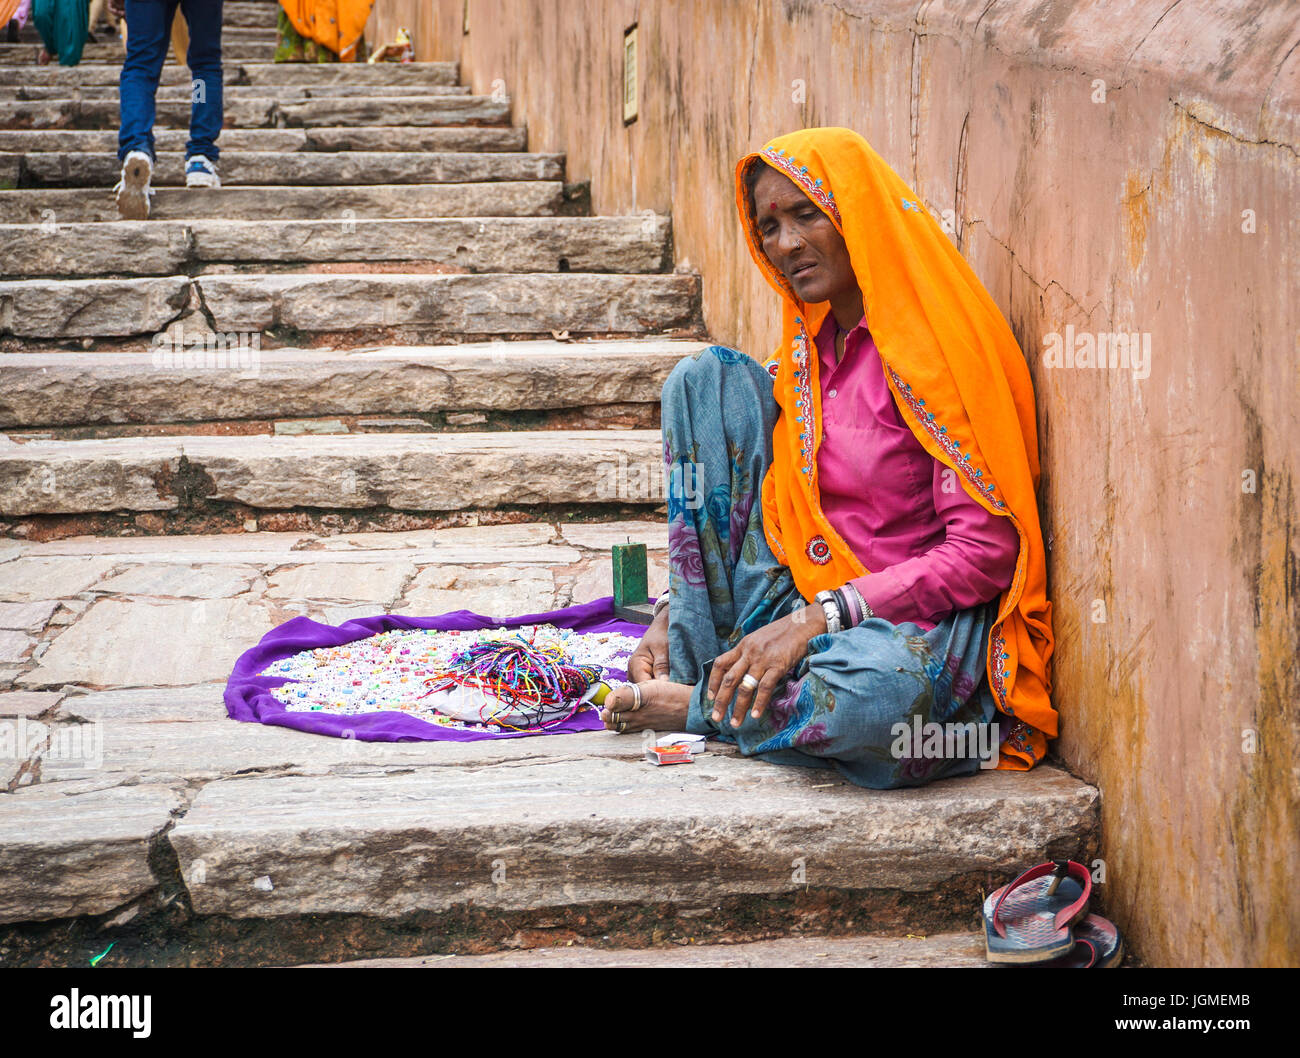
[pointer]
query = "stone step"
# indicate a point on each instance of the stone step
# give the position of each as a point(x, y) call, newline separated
point(946, 950)
point(574, 831)
point(112, 53)
point(280, 92)
point(392, 471)
point(300, 168)
point(503, 244)
point(361, 304)
point(456, 138)
point(265, 112)
point(238, 13)
point(480, 846)
point(507, 199)
point(248, 73)
point(69, 389)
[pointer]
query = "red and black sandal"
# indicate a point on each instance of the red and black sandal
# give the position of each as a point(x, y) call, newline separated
point(1097, 945)
point(1031, 920)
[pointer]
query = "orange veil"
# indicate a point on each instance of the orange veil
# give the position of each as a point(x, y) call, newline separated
point(957, 375)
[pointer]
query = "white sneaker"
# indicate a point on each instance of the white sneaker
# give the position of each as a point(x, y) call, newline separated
point(133, 190)
point(201, 171)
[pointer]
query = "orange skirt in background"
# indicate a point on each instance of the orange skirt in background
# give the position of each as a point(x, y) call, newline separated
point(336, 24)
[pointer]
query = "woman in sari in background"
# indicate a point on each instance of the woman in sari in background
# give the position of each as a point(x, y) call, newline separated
point(890, 582)
point(13, 16)
point(334, 25)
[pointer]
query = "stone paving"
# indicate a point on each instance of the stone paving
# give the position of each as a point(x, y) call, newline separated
point(117, 654)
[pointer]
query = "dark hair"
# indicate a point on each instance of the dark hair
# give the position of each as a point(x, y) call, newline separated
point(752, 172)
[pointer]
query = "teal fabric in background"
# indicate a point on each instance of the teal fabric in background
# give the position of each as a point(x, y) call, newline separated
point(62, 25)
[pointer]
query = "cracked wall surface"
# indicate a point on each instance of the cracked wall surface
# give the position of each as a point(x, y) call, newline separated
point(1111, 167)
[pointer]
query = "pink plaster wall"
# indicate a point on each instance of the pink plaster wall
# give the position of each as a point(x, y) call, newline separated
point(1107, 207)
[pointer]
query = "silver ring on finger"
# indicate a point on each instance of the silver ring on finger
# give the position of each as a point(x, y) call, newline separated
point(749, 681)
point(636, 698)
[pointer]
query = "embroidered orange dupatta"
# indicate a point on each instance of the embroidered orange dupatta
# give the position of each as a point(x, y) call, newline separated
point(957, 375)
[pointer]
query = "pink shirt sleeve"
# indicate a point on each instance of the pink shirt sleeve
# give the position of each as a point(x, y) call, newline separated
point(974, 563)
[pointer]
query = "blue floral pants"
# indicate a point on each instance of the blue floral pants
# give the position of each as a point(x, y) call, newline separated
point(885, 705)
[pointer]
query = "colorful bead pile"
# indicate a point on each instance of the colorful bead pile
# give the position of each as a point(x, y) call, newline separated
point(391, 671)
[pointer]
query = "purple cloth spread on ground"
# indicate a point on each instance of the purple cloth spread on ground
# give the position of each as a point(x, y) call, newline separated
point(248, 696)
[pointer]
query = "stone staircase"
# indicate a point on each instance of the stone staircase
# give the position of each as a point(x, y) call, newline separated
point(393, 365)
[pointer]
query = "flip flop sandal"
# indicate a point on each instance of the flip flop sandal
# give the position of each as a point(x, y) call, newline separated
point(1097, 943)
point(1030, 919)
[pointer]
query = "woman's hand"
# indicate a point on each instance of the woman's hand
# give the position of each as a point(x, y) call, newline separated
point(650, 659)
point(768, 654)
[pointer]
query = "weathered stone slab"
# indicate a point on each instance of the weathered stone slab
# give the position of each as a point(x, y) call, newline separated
point(228, 547)
point(133, 643)
point(62, 856)
point(457, 138)
point(152, 705)
point(111, 54)
point(601, 537)
point(569, 833)
point(295, 168)
point(233, 93)
point(121, 247)
point(470, 305)
point(26, 616)
point(28, 703)
point(246, 73)
point(47, 389)
point(505, 199)
point(240, 13)
point(266, 111)
point(362, 470)
point(14, 646)
point(964, 950)
point(80, 307)
point(147, 750)
point(507, 244)
point(498, 591)
point(181, 582)
point(51, 576)
point(386, 110)
point(522, 542)
point(491, 540)
point(375, 76)
point(376, 583)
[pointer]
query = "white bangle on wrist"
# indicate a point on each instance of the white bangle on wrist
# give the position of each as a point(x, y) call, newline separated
point(660, 603)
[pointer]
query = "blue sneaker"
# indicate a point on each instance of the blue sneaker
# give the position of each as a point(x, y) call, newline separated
point(201, 171)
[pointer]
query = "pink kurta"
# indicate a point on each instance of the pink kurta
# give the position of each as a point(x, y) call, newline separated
point(931, 548)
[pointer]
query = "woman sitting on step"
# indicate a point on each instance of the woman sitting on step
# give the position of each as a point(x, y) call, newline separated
point(890, 582)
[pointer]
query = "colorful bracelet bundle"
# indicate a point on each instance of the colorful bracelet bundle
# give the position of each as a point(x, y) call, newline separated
point(523, 685)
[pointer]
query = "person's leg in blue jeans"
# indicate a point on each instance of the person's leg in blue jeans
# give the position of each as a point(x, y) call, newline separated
point(204, 59)
point(148, 24)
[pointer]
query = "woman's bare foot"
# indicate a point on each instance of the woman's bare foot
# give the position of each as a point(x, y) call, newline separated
point(664, 706)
